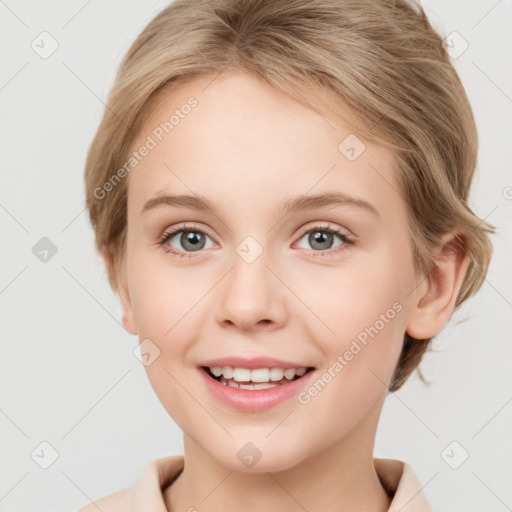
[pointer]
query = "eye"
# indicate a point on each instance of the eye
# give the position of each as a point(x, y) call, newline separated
point(192, 239)
point(321, 239)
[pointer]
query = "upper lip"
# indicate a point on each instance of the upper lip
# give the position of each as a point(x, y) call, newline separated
point(253, 363)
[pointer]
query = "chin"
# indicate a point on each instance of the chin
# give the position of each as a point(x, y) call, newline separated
point(258, 457)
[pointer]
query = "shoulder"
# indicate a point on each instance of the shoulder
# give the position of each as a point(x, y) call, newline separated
point(145, 493)
point(119, 501)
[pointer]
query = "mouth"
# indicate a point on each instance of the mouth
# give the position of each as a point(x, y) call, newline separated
point(256, 378)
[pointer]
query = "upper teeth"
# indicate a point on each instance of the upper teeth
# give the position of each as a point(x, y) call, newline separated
point(256, 375)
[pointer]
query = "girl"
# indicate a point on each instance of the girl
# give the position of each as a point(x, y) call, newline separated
point(279, 192)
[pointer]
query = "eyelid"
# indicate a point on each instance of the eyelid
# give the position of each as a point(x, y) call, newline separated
point(327, 226)
point(171, 232)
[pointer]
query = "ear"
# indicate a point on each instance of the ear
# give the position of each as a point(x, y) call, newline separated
point(118, 270)
point(436, 297)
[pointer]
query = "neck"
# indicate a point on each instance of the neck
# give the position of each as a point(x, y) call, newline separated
point(340, 477)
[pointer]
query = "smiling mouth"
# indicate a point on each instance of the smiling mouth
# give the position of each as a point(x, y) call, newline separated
point(251, 385)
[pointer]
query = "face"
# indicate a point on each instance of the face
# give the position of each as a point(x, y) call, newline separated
point(324, 286)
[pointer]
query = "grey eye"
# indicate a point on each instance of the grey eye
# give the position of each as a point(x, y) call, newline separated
point(190, 240)
point(321, 239)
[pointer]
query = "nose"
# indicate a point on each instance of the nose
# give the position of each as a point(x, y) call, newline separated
point(251, 297)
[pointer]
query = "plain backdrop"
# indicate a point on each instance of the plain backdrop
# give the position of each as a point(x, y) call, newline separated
point(75, 397)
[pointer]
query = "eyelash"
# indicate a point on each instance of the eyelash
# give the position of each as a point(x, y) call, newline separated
point(168, 235)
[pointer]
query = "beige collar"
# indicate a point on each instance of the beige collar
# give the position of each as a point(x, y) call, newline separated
point(397, 477)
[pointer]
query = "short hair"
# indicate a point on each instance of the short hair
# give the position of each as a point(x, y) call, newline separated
point(378, 59)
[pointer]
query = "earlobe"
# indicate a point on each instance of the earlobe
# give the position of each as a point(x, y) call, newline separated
point(435, 306)
point(119, 271)
point(124, 297)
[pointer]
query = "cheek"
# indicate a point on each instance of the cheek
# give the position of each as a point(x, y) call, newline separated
point(349, 300)
point(163, 308)
point(363, 318)
point(168, 306)
point(161, 295)
point(360, 355)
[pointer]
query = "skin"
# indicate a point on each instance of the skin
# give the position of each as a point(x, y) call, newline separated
point(248, 147)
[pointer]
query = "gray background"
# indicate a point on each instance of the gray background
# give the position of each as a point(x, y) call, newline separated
point(67, 369)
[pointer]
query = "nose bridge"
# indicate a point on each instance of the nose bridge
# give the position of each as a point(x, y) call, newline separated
point(249, 295)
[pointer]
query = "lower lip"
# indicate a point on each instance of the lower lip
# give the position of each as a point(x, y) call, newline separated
point(254, 400)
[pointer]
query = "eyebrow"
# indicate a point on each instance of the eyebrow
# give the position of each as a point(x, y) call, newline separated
point(294, 204)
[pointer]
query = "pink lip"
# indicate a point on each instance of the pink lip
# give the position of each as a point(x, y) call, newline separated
point(256, 400)
point(252, 363)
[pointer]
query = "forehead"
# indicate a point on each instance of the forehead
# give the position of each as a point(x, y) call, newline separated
point(234, 136)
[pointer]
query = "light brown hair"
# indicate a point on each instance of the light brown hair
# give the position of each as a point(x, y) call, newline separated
point(378, 59)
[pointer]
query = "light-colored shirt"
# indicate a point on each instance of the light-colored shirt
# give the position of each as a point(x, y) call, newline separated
point(146, 495)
